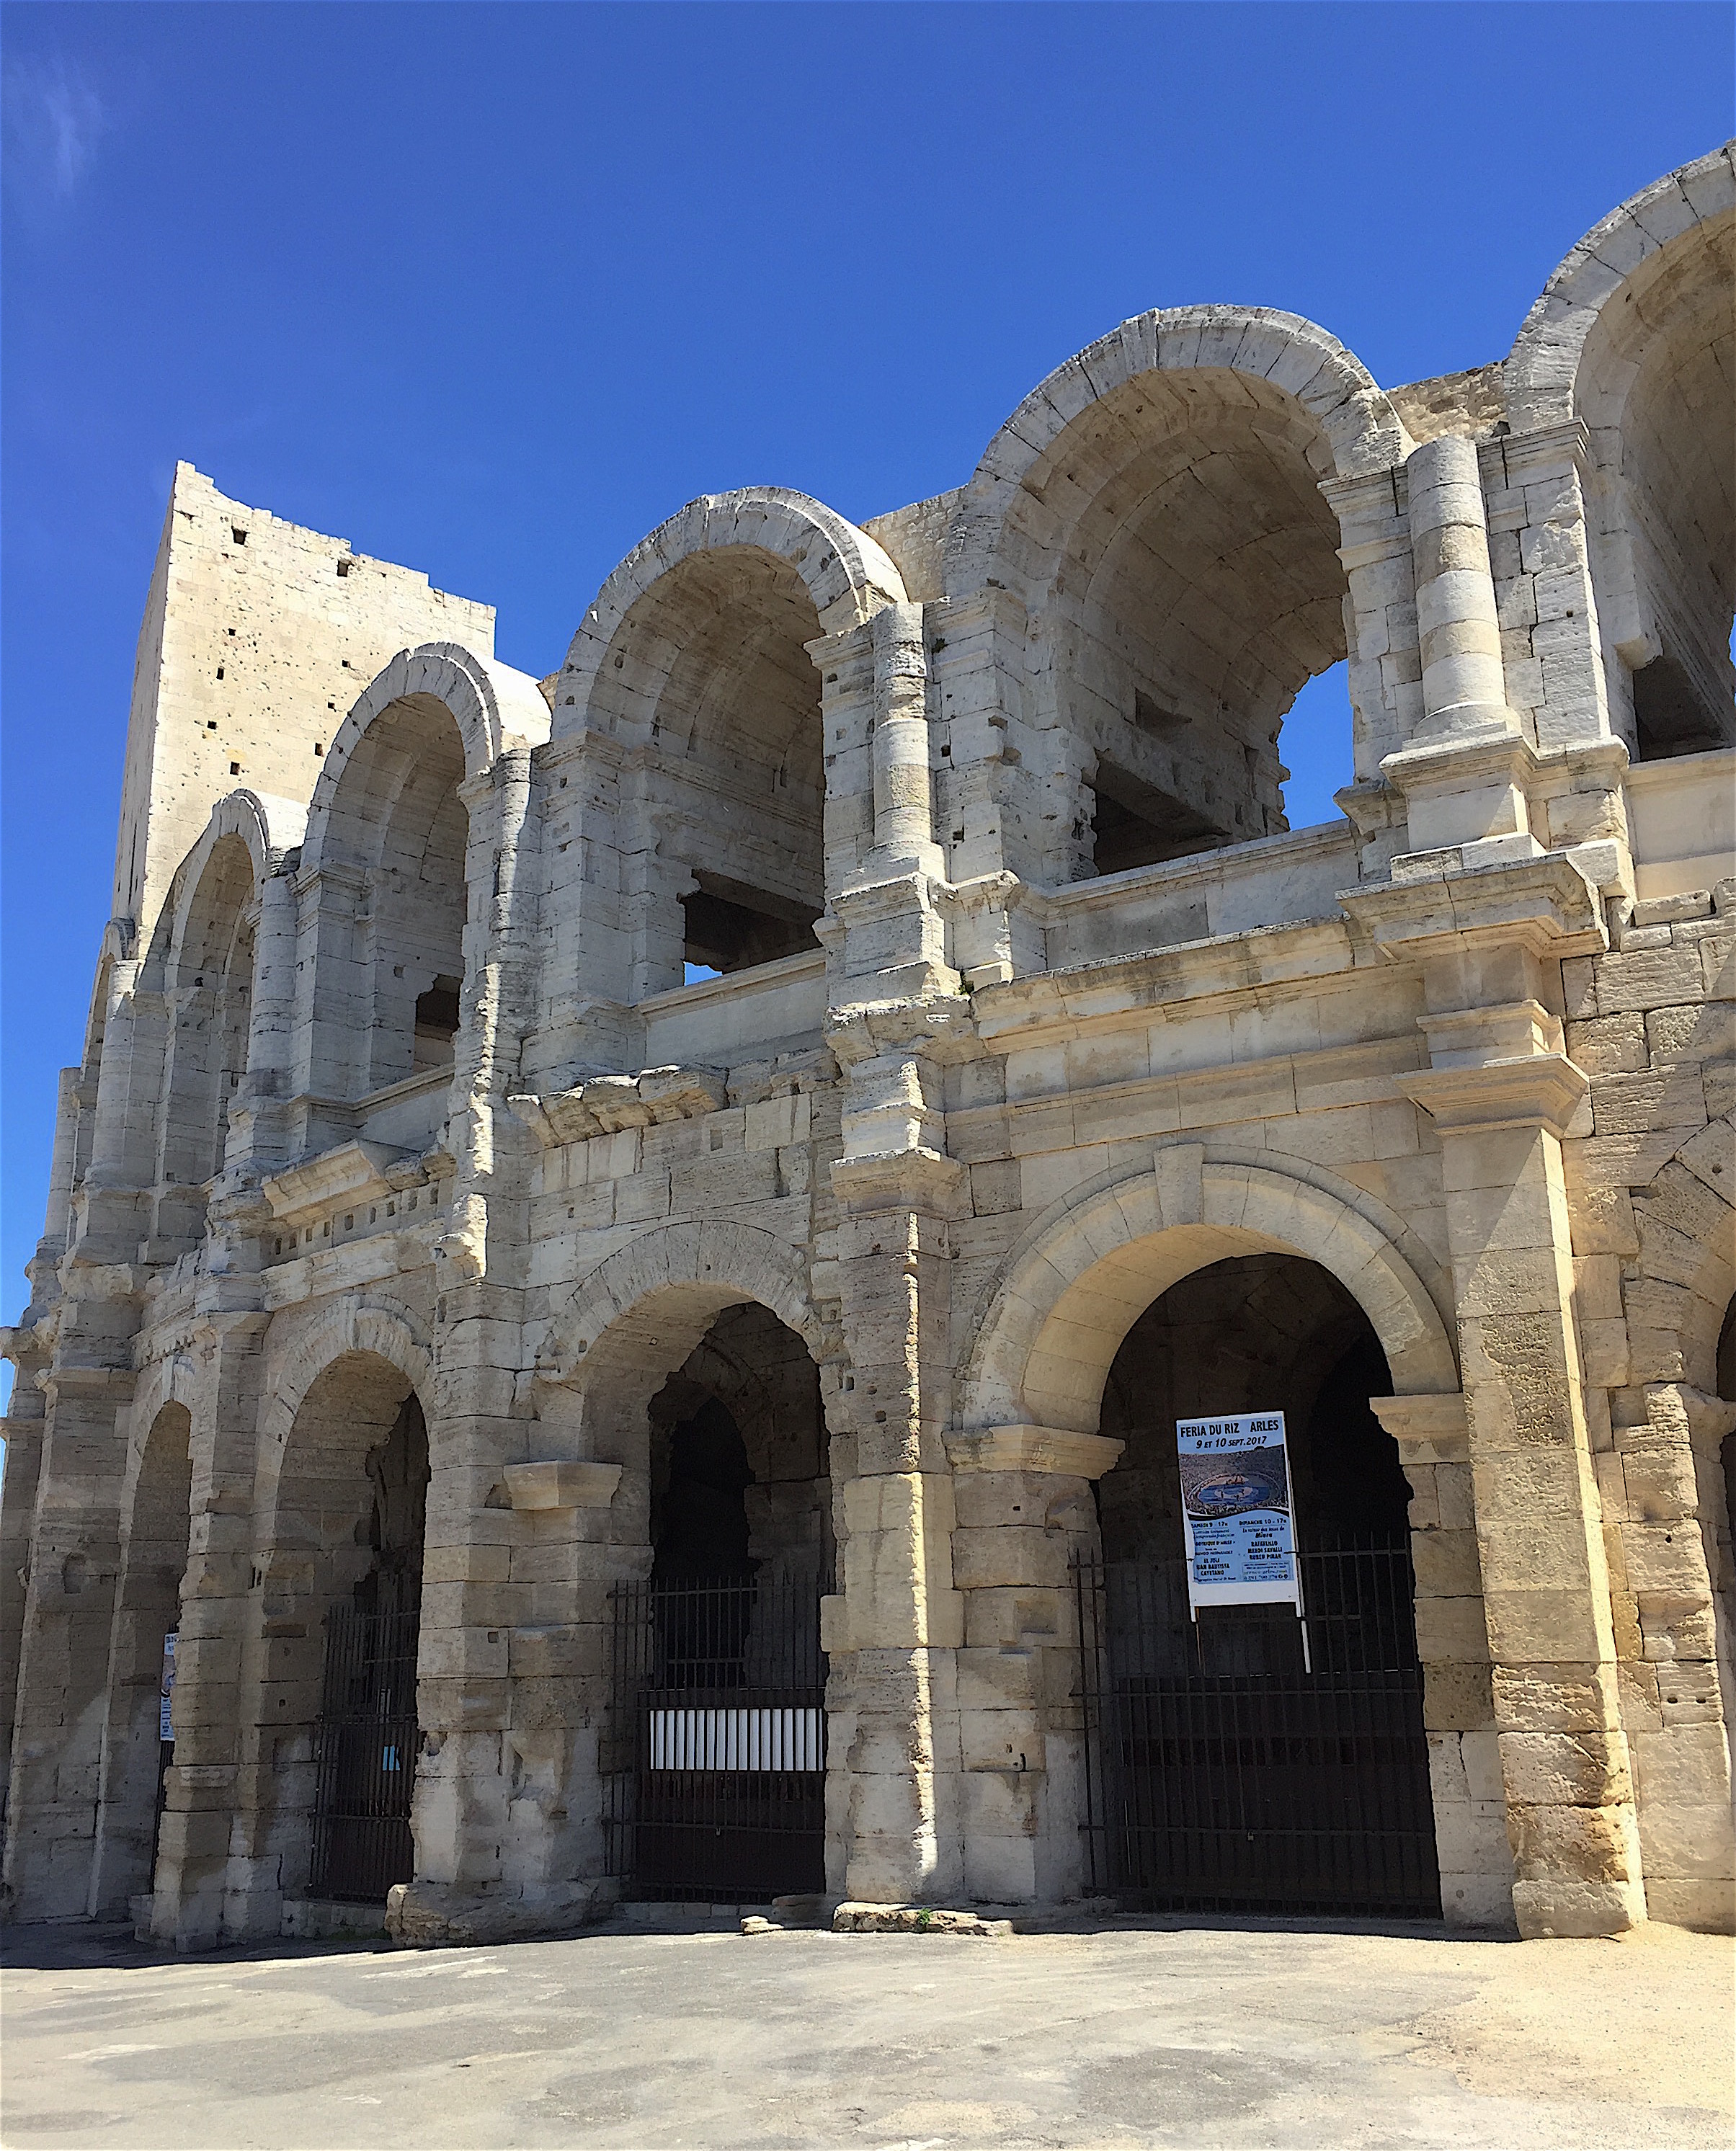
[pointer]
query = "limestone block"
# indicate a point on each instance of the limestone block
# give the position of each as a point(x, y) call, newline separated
point(1635, 1104)
point(996, 1619)
point(1446, 1564)
point(1550, 1770)
point(1470, 1838)
point(1456, 1698)
point(561, 1485)
point(1671, 1563)
point(1644, 979)
point(1684, 1842)
point(1609, 1044)
point(1684, 1766)
point(1707, 1907)
point(995, 1680)
point(1451, 1631)
point(1007, 1739)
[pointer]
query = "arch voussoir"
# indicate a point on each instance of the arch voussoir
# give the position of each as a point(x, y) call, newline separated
point(1072, 1290)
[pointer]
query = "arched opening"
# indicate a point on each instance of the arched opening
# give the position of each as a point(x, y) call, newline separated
point(709, 672)
point(342, 1589)
point(1190, 573)
point(392, 903)
point(719, 1683)
point(211, 1001)
point(1724, 1569)
point(139, 1737)
point(1249, 1759)
point(1654, 389)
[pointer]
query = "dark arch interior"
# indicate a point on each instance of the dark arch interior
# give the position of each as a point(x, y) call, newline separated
point(1258, 1332)
point(397, 1470)
point(739, 1479)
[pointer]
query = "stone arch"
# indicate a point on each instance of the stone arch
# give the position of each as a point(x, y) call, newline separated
point(392, 898)
point(699, 657)
point(1362, 430)
point(1633, 338)
point(492, 707)
point(344, 1396)
point(1685, 1276)
point(206, 954)
point(637, 1315)
point(1075, 1285)
point(154, 1544)
point(385, 1330)
point(1156, 507)
point(845, 573)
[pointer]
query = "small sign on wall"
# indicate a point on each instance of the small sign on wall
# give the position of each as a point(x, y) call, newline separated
point(166, 1693)
point(1236, 1511)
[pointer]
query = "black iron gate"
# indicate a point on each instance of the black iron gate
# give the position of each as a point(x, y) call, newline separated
point(366, 1756)
point(714, 1764)
point(1224, 1774)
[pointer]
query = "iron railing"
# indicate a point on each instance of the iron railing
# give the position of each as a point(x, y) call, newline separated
point(1228, 1772)
point(714, 1765)
point(366, 1756)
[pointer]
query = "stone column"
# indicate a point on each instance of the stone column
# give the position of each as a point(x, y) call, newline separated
point(222, 1750)
point(1023, 1496)
point(893, 1628)
point(1564, 1757)
point(904, 790)
point(1464, 689)
point(1452, 1642)
point(257, 1136)
point(66, 1617)
point(1464, 768)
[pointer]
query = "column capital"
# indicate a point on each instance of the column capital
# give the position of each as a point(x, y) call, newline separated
point(1033, 1448)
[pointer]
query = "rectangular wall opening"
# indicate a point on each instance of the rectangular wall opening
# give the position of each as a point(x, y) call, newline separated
point(730, 927)
point(1137, 825)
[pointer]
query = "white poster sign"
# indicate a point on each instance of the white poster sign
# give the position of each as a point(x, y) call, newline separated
point(165, 1694)
point(1236, 1511)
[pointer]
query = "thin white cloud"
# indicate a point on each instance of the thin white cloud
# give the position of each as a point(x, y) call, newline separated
point(53, 121)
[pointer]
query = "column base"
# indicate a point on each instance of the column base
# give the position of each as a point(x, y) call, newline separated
point(1556, 1910)
point(446, 1915)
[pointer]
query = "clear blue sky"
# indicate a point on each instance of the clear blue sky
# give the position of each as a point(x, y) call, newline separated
point(490, 291)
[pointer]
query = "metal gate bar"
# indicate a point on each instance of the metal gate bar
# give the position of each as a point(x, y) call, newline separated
point(1222, 1776)
point(366, 1757)
point(715, 1760)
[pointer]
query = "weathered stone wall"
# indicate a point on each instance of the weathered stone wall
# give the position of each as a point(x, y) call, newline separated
point(404, 1077)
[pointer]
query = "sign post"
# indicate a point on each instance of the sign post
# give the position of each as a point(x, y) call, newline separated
point(1237, 1514)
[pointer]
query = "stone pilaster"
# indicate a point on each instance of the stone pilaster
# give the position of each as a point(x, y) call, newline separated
point(1023, 1500)
point(1452, 1639)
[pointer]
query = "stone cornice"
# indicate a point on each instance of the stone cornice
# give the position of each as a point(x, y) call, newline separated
point(1536, 1090)
point(561, 1485)
point(1545, 904)
point(1237, 968)
point(349, 1172)
point(917, 1179)
point(1034, 1448)
point(1428, 1429)
point(1493, 753)
point(605, 1105)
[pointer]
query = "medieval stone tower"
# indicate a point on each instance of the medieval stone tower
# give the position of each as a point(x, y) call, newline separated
point(624, 1254)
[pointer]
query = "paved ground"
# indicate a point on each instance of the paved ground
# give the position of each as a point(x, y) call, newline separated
point(1123, 2035)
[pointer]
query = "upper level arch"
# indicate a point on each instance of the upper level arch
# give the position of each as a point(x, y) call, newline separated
point(1634, 337)
point(384, 875)
point(201, 962)
point(1156, 506)
point(695, 663)
point(846, 575)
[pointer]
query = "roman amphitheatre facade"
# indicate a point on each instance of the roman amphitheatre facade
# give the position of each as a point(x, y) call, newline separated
point(625, 1251)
